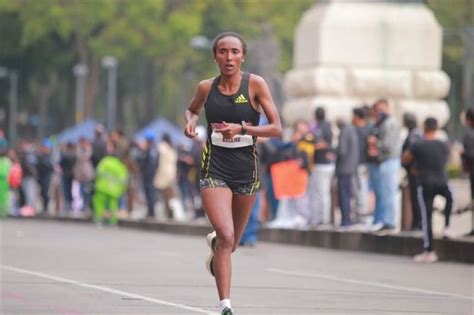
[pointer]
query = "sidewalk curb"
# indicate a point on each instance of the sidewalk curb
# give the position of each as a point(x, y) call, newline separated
point(405, 243)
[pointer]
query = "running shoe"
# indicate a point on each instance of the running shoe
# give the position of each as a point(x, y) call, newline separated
point(449, 233)
point(211, 242)
point(227, 311)
point(426, 257)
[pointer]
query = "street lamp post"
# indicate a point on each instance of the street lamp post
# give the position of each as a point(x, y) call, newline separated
point(110, 63)
point(13, 100)
point(80, 71)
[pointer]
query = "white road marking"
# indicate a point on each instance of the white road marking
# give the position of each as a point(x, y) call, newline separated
point(367, 283)
point(108, 290)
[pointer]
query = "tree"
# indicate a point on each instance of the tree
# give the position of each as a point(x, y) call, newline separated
point(45, 39)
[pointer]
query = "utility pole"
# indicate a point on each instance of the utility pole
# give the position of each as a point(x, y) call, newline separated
point(110, 63)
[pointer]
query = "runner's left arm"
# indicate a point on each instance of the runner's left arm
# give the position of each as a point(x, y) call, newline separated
point(261, 95)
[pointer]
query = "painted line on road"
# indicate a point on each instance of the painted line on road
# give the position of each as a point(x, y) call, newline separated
point(108, 290)
point(367, 283)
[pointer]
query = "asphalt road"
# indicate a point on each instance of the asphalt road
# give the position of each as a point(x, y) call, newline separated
point(75, 269)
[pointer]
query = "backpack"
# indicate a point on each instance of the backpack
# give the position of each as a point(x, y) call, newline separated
point(15, 176)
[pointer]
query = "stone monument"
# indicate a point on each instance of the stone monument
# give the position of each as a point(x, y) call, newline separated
point(352, 52)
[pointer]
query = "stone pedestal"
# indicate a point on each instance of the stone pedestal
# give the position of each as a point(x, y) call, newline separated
point(349, 53)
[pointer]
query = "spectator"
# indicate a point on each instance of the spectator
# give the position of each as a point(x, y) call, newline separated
point(166, 178)
point(185, 169)
point(45, 169)
point(294, 212)
point(347, 159)
point(5, 167)
point(361, 178)
point(414, 134)
point(468, 156)
point(430, 156)
point(14, 180)
point(3, 140)
point(271, 150)
point(110, 184)
point(384, 156)
point(130, 162)
point(323, 170)
point(28, 162)
point(148, 162)
point(67, 162)
point(84, 173)
point(120, 144)
point(99, 145)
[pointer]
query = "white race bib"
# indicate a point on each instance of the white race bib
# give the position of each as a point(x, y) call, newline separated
point(238, 141)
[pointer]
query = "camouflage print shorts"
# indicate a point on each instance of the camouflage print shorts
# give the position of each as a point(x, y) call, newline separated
point(237, 188)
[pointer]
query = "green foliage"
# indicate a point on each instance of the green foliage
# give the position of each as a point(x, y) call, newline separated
point(453, 16)
point(158, 69)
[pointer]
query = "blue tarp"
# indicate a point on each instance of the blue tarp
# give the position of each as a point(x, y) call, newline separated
point(160, 126)
point(84, 129)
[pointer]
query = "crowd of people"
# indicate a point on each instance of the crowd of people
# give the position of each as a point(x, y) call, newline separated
point(365, 165)
point(154, 178)
point(106, 177)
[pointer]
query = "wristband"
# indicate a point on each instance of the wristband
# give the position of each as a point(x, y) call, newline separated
point(244, 130)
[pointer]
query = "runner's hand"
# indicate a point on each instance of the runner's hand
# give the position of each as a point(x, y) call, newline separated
point(190, 129)
point(229, 130)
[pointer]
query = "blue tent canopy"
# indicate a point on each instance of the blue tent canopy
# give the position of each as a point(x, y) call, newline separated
point(159, 127)
point(84, 129)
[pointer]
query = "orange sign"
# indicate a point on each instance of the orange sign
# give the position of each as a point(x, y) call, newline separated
point(289, 179)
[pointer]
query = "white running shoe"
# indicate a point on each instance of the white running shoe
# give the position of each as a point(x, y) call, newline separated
point(426, 257)
point(211, 242)
point(376, 227)
point(449, 233)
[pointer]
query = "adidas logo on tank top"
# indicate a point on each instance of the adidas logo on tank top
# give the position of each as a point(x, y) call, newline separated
point(240, 99)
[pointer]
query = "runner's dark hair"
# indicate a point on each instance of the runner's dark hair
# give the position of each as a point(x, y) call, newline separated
point(229, 34)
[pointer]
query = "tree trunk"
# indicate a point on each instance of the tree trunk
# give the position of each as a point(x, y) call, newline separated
point(92, 77)
point(149, 90)
point(92, 86)
point(43, 99)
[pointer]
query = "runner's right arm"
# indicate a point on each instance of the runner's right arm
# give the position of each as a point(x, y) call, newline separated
point(195, 106)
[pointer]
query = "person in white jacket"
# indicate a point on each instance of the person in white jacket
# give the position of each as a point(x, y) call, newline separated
point(166, 178)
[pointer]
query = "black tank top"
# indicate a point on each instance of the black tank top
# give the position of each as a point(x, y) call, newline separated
point(237, 165)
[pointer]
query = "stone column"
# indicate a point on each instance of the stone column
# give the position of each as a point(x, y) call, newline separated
point(352, 52)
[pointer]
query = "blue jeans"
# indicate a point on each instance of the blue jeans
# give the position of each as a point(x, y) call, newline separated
point(270, 195)
point(384, 180)
point(86, 194)
point(344, 183)
point(67, 190)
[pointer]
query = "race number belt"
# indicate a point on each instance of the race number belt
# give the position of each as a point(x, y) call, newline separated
point(238, 141)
